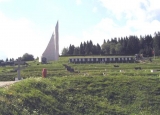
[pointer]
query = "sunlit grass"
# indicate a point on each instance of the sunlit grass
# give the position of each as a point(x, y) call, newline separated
point(84, 95)
point(96, 89)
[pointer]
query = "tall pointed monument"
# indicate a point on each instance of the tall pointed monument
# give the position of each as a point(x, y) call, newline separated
point(51, 52)
point(57, 41)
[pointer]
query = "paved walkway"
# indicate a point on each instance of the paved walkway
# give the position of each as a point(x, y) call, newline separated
point(6, 83)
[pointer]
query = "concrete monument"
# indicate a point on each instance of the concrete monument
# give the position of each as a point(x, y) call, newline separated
point(51, 52)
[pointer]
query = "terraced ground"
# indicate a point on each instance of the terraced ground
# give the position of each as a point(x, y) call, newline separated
point(57, 69)
point(98, 89)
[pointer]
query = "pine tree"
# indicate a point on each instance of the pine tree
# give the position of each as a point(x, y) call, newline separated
point(98, 49)
point(81, 49)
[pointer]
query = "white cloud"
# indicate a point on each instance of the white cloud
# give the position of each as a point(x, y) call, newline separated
point(4, 0)
point(78, 2)
point(94, 9)
point(132, 9)
point(20, 36)
point(119, 7)
point(140, 18)
point(107, 29)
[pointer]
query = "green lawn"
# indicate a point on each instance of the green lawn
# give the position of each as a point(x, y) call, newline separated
point(93, 89)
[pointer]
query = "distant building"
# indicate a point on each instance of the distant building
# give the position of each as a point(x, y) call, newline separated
point(125, 59)
point(51, 52)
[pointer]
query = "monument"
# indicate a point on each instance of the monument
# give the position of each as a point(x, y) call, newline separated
point(51, 52)
point(18, 70)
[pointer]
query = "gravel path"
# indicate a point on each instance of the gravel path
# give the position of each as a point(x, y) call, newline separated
point(6, 83)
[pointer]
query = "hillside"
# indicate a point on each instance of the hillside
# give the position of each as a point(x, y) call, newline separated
point(87, 92)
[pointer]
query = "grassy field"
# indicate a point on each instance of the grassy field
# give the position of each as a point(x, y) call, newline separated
point(93, 89)
point(56, 69)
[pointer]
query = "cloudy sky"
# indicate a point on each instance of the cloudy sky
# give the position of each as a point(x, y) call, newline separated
point(26, 26)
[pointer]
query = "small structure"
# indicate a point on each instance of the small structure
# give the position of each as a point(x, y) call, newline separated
point(104, 74)
point(116, 65)
point(44, 60)
point(122, 71)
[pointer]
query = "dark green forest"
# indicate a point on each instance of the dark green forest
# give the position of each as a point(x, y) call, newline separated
point(147, 45)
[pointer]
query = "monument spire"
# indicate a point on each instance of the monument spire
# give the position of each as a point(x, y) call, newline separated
point(51, 52)
point(57, 40)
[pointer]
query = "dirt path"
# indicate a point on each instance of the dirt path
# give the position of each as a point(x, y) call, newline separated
point(6, 83)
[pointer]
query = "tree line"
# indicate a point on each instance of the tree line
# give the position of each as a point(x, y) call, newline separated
point(130, 45)
point(25, 57)
point(86, 48)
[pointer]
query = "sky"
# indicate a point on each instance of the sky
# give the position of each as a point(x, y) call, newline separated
point(26, 26)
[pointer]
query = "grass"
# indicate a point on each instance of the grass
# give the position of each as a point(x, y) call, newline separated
point(56, 69)
point(132, 92)
point(83, 95)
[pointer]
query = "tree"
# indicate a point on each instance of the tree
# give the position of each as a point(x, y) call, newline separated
point(12, 59)
point(87, 49)
point(156, 44)
point(104, 41)
point(118, 48)
point(132, 45)
point(71, 49)
point(90, 47)
point(106, 48)
point(81, 49)
point(37, 58)
point(65, 51)
point(27, 57)
point(112, 48)
point(94, 50)
point(76, 51)
point(124, 45)
point(6, 59)
point(98, 49)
